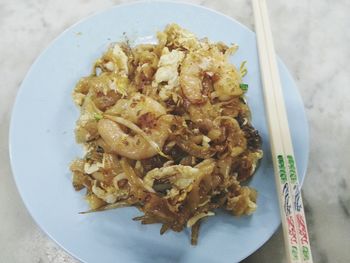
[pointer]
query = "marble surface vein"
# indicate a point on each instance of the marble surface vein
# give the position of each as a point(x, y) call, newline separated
point(312, 37)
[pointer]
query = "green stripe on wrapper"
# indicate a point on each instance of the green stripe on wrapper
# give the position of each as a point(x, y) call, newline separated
point(292, 169)
point(306, 253)
point(282, 169)
point(295, 253)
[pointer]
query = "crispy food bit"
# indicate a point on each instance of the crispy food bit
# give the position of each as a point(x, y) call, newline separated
point(167, 129)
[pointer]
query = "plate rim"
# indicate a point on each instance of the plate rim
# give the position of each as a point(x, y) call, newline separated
point(86, 18)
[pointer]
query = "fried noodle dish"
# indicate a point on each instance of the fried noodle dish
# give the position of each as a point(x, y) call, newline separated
point(167, 129)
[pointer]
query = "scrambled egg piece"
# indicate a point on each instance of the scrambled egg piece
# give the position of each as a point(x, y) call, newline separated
point(179, 175)
point(244, 203)
point(168, 71)
point(109, 194)
point(181, 38)
point(91, 168)
point(78, 98)
point(121, 59)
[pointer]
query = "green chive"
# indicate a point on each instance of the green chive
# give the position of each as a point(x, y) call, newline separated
point(98, 116)
point(243, 86)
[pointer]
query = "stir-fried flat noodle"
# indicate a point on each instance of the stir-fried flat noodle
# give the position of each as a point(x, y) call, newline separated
point(167, 129)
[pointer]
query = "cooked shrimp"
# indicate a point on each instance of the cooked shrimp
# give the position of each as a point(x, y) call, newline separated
point(191, 79)
point(227, 85)
point(204, 114)
point(212, 63)
point(148, 140)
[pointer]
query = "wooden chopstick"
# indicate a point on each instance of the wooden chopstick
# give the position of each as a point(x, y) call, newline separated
point(291, 206)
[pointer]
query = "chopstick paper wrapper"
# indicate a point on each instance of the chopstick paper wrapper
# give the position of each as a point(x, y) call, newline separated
point(291, 206)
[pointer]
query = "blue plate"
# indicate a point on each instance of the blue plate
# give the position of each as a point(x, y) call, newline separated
point(42, 144)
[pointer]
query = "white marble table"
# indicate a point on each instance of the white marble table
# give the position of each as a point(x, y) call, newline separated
point(312, 37)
